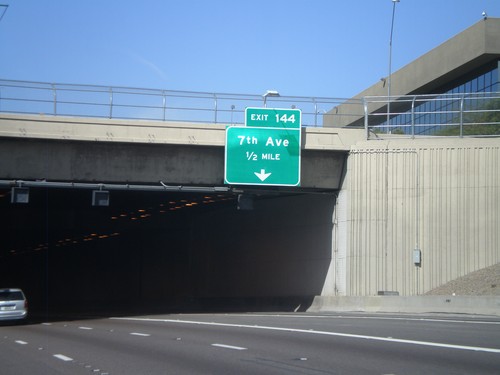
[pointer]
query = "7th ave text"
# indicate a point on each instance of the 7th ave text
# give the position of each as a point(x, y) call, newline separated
point(273, 142)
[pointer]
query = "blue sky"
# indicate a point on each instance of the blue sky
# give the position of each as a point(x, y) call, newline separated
point(322, 48)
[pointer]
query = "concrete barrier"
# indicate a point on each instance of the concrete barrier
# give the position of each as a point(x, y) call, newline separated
point(484, 305)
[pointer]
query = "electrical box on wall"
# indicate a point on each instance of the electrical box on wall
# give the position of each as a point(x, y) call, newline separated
point(417, 257)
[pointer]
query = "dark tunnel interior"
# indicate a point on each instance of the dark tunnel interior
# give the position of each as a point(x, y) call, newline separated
point(163, 251)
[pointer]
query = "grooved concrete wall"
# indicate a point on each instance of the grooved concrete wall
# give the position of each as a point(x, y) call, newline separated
point(439, 195)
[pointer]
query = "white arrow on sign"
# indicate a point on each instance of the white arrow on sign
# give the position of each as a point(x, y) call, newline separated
point(262, 175)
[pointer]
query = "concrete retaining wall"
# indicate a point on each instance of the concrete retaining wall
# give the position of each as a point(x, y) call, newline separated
point(441, 196)
point(415, 304)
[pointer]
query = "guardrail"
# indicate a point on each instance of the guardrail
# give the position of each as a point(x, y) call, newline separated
point(459, 115)
point(151, 104)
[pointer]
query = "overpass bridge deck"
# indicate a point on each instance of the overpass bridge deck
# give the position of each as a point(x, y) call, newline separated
point(146, 131)
point(100, 150)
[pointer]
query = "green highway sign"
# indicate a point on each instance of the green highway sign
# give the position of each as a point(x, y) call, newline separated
point(273, 117)
point(262, 156)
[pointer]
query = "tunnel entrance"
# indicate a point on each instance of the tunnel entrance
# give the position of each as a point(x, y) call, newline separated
point(165, 251)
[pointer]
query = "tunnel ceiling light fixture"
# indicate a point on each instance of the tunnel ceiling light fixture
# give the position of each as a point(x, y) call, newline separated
point(245, 202)
point(20, 195)
point(100, 198)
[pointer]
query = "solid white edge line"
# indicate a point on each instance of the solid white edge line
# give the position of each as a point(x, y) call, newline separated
point(229, 347)
point(62, 357)
point(370, 318)
point(338, 334)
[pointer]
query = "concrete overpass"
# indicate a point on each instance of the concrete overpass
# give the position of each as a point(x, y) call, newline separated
point(171, 236)
point(73, 149)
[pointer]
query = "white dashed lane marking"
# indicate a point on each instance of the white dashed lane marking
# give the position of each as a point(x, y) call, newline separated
point(21, 342)
point(62, 357)
point(229, 347)
point(140, 334)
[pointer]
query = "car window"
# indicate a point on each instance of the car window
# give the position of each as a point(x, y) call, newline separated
point(11, 296)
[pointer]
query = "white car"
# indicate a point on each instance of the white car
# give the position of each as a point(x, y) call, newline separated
point(13, 304)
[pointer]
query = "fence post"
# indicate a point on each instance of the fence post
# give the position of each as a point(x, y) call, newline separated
point(110, 102)
point(54, 96)
point(315, 113)
point(365, 108)
point(215, 101)
point(164, 104)
point(413, 117)
point(462, 98)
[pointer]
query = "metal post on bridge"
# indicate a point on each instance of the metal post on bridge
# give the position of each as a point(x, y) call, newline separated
point(110, 102)
point(164, 104)
point(413, 116)
point(315, 112)
point(54, 96)
point(215, 104)
point(365, 108)
point(462, 99)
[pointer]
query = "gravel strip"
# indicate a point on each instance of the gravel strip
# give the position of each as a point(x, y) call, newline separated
point(484, 282)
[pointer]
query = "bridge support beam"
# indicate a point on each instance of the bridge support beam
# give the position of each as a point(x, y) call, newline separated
point(114, 162)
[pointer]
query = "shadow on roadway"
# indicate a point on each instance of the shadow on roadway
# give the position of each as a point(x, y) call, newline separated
point(194, 306)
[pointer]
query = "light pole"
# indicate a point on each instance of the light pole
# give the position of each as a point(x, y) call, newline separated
point(390, 66)
point(269, 93)
point(5, 6)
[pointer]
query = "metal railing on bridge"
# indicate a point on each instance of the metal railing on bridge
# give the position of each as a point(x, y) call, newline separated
point(152, 104)
point(459, 115)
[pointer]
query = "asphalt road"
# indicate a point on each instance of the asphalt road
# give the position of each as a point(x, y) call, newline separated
point(254, 344)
